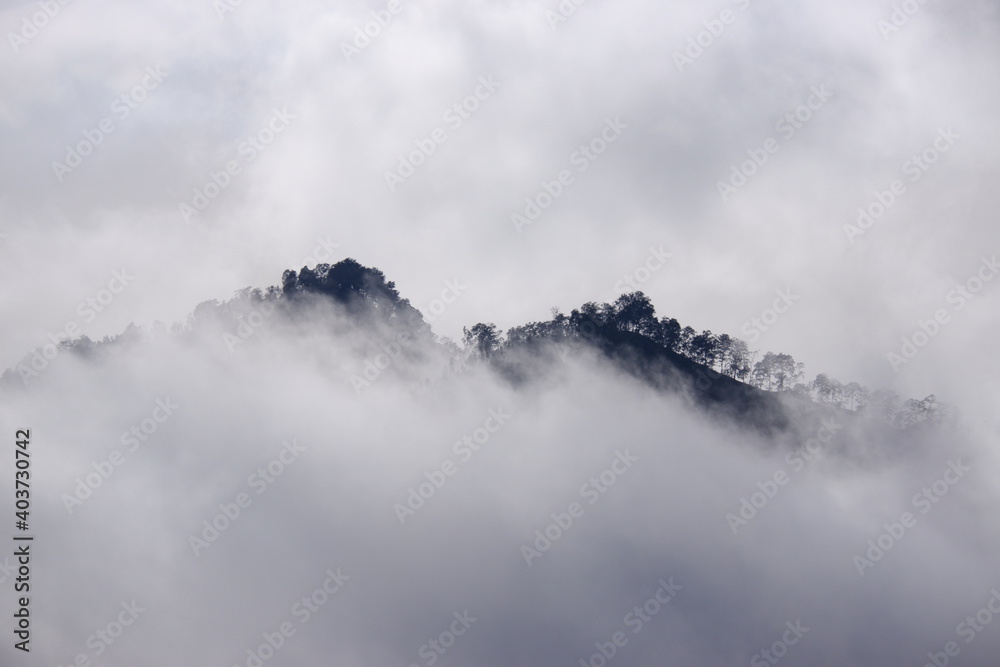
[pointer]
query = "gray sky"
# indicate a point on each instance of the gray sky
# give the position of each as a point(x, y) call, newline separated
point(173, 95)
point(323, 176)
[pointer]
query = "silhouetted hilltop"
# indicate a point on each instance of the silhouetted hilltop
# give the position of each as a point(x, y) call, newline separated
point(362, 290)
point(719, 372)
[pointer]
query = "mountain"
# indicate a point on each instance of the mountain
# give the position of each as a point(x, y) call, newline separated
point(718, 372)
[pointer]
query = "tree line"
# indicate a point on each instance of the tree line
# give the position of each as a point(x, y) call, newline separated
point(634, 313)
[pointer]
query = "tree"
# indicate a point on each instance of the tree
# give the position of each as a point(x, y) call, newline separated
point(884, 405)
point(777, 371)
point(911, 413)
point(669, 334)
point(760, 376)
point(937, 412)
point(738, 360)
point(592, 312)
point(793, 374)
point(826, 389)
point(634, 312)
point(484, 339)
point(684, 341)
point(723, 344)
point(289, 282)
point(309, 280)
point(361, 289)
point(704, 348)
point(927, 409)
point(856, 396)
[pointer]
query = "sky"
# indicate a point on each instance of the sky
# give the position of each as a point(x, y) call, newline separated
point(692, 91)
point(811, 177)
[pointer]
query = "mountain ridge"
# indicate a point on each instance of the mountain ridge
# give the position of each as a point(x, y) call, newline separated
point(719, 372)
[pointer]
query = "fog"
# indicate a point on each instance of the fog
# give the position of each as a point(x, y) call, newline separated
point(422, 501)
point(813, 178)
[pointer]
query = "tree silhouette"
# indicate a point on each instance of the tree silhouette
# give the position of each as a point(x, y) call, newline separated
point(484, 339)
point(777, 371)
point(738, 360)
point(634, 312)
point(704, 348)
point(855, 397)
point(669, 334)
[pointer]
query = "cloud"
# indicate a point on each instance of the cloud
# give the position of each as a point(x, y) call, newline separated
point(324, 176)
point(263, 477)
point(321, 183)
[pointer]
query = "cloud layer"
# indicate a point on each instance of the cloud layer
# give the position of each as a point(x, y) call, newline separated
point(278, 124)
point(229, 495)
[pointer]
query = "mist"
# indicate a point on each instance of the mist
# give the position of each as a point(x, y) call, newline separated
point(471, 519)
point(227, 471)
